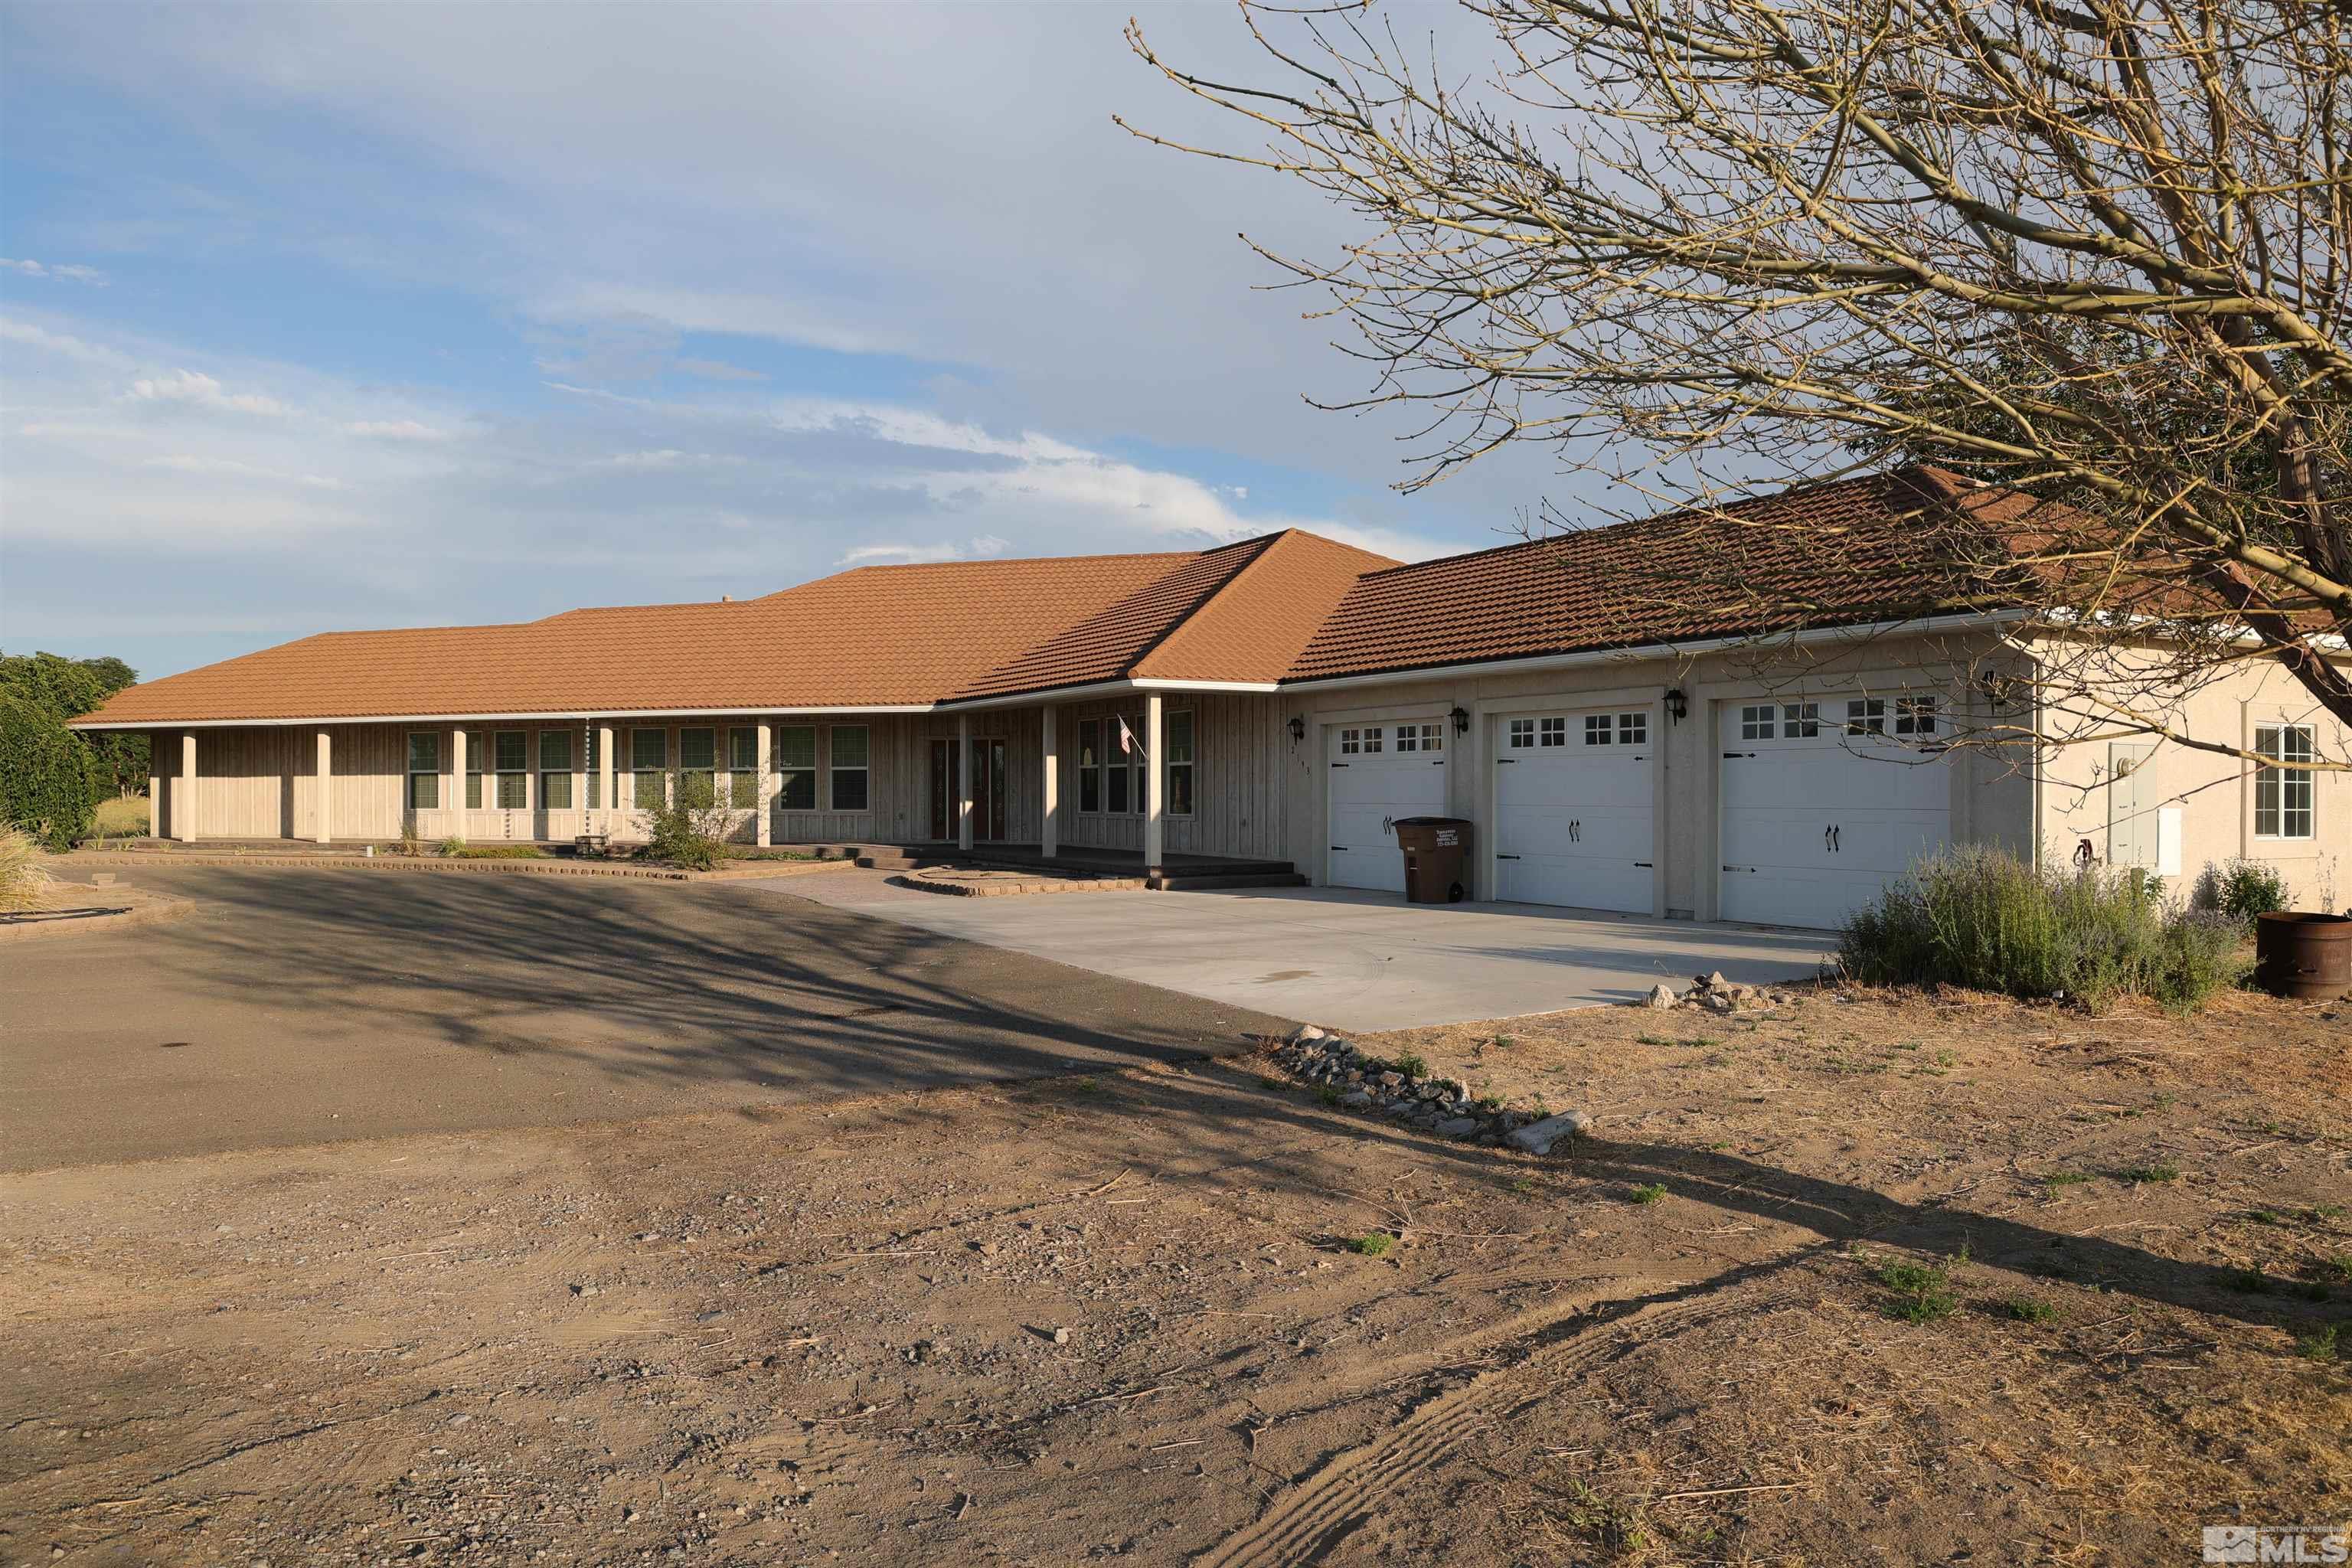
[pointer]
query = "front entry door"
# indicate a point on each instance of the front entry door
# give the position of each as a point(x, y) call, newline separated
point(988, 789)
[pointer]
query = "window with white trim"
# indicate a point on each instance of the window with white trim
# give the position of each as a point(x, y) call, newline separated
point(1755, 722)
point(478, 761)
point(1523, 732)
point(1372, 739)
point(2285, 799)
point(697, 757)
point(555, 770)
point(648, 769)
point(1598, 730)
point(424, 770)
point(1551, 732)
point(850, 776)
point(1632, 729)
point(795, 765)
point(512, 764)
point(1914, 716)
point(1407, 737)
point(1432, 737)
point(1801, 721)
point(1866, 716)
point(1351, 742)
point(1089, 765)
point(743, 767)
point(1177, 741)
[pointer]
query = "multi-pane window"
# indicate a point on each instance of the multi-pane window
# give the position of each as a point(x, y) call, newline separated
point(477, 758)
point(555, 770)
point(1407, 737)
point(424, 770)
point(1801, 721)
point(1599, 729)
point(593, 769)
point(698, 765)
point(743, 767)
point(512, 761)
point(1755, 722)
point(1090, 797)
point(1372, 734)
point(1866, 716)
point(1351, 743)
point(1118, 774)
point(1523, 732)
point(648, 760)
point(1432, 737)
point(2283, 792)
point(849, 770)
point(795, 764)
point(1914, 716)
point(1632, 730)
point(1177, 742)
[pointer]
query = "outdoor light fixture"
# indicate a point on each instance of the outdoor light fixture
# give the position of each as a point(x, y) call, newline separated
point(1677, 704)
point(1461, 717)
point(1298, 729)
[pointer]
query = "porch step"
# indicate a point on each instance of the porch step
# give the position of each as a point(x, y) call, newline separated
point(1218, 881)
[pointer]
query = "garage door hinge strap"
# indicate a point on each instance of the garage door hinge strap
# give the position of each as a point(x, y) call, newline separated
point(1506, 857)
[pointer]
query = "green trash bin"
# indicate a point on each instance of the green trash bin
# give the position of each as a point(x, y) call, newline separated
point(1436, 858)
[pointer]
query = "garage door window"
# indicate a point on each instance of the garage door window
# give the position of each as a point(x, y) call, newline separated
point(1523, 732)
point(2282, 795)
point(1866, 716)
point(1632, 729)
point(1351, 742)
point(1914, 716)
point(1420, 738)
point(1755, 722)
point(1801, 721)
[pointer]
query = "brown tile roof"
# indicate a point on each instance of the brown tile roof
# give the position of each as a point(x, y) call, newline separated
point(874, 637)
point(1844, 552)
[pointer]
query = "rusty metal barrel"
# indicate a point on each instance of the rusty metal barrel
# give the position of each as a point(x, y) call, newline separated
point(2304, 955)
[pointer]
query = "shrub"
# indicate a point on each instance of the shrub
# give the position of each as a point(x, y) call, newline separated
point(23, 879)
point(689, 835)
point(2240, 890)
point(497, 852)
point(47, 778)
point(1982, 919)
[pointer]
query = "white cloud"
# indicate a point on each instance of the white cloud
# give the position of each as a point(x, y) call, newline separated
point(899, 554)
point(393, 430)
point(64, 343)
point(717, 370)
point(68, 272)
point(669, 458)
point(194, 387)
point(230, 467)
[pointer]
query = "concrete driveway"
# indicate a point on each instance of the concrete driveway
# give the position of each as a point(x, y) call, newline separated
point(297, 1006)
point(1343, 959)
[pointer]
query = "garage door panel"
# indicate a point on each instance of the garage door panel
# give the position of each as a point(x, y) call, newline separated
point(1814, 821)
point(1573, 822)
point(1372, 784)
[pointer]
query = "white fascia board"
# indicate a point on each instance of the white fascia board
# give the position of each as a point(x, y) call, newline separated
point(615, 715)
point(1105, 689)
point(1645, 653)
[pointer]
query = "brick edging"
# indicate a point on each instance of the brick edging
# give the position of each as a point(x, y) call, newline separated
point(1012, 889)
point(550, 867)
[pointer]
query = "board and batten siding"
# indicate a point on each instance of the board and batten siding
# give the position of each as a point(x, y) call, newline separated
point(263, 782)
point(1238, 749)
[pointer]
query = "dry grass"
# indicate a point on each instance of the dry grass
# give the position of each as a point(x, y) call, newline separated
point(124, 816)
point(24, 880)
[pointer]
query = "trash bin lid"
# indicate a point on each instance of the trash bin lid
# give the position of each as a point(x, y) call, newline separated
point(1431, 822)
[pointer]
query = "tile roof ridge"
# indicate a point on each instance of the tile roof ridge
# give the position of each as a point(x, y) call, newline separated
point(1265, 544)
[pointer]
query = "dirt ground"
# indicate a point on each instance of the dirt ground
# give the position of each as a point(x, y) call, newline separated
point(1148, 1315)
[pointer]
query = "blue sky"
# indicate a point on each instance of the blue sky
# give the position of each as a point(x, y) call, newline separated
point(397, 315)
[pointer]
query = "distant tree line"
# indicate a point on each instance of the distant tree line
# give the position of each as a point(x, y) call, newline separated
point(51, 777)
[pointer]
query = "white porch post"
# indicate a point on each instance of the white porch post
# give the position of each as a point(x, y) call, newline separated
point(580, 779)
point(183, 793)
point(458, 783)
point(323, 808)
point(155, 786)
point(1049, 831)
point(1155, 788)
point(605, 774)
point(963, 781)
point(767, 823)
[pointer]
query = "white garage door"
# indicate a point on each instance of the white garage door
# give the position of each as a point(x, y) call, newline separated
point(1825, 801)
point(1380, 773)
point(1572, 810)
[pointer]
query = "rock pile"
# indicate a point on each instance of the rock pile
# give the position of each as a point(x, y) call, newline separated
point(1439, 1105)
point(1714, 994)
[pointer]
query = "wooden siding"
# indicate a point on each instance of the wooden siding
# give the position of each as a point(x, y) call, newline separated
point(1238, 747)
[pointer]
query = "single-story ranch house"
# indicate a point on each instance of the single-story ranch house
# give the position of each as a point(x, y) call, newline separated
point(1281, 700)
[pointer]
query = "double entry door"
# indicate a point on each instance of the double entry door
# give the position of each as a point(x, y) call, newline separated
point(988, 791)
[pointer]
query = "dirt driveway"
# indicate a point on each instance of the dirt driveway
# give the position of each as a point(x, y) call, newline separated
point(1867, 1281)
point(300, 1005)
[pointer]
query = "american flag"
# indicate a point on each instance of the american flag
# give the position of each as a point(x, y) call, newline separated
point(1127, 741)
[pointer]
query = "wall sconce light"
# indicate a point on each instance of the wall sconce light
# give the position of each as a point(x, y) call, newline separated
point(1677, 704)
point(1298, 729)
point(1461, 717)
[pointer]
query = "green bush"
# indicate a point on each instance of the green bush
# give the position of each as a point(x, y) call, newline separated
point(690, 835)
point(495, 852)
point(48, 780)
point(2240, 890)
point(1984, 919)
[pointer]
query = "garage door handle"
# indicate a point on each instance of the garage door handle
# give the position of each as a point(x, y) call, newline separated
point(1646, 865)
point(1338, 764)
point(1504, 762)
point(1735, 756)
point(1506, 857)
point(1338, 849)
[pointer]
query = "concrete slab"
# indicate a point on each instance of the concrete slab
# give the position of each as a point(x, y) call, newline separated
point(1349, 960)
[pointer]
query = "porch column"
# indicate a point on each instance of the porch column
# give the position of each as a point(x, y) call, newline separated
point(605, 774)
point(323, 807)
point(1049, 831)
point(766, 825)
point(155, 786)
point(580, 780)
point(457, 782)
point(964, 782)
point(1155, 789)
point(183, 793)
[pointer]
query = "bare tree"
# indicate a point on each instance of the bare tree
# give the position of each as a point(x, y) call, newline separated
point(2099, 250)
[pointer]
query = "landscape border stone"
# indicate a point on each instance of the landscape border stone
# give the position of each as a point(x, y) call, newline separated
point(551, 867)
